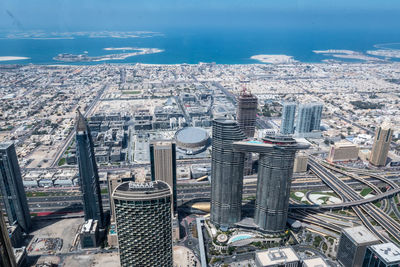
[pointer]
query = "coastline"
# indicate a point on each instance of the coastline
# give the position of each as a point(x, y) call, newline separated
point(12, 58)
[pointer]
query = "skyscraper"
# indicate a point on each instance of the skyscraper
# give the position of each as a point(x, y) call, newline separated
point(288, 116)
point(143, 215)
point(380, 149)
point(246, 117)
point(275, 169)
point(12, 189)
point(316, 116)
point(309, 118)
point(226, 173)
point(88, 174)
point(247, 113)
point(7, 257)
point(352, 245)
point(304, 116)
point(163, 165)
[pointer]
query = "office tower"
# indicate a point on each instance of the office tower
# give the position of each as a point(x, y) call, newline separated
point(88, 174)
point(12, 188)
point(380, 149)
point(275, 169)
point(385, 255)
point(143, 215)
point(288, 115)
point(247, 113)
point(163, 165)
point(7, 257)
point(309, 118)
point(304, 116)
point(114, 179)
point(226, 173)
point(300, 163)
point(246, 117)
point(316, 117)
point(352, 245)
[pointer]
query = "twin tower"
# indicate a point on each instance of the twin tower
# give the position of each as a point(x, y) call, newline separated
point(276, 157)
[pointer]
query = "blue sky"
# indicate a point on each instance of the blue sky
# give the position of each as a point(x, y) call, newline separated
point(74, 15)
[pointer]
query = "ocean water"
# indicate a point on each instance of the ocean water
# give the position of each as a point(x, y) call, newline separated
point(223, 46)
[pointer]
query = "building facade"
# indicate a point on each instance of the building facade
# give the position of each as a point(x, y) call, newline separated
point(380, 149)
point(163, 165)
point(300, 163)
point(288, 117)
point(316, 116)
point(304, 116)
point(352, 245)
point(275, 170)
point(226, 173)
point(309, 118)
point(7, 257)
point(144, 227)
point(89, 234)
point(246, 113)
point(114, 179)
point(88, 173)
point(382, 255)
point(12, 188)
point(343, 151)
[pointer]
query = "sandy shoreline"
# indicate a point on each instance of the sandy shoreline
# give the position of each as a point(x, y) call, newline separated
point(274, 59)
point(9, 58)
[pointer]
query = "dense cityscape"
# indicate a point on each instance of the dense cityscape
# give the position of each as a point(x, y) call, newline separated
point(200, 165)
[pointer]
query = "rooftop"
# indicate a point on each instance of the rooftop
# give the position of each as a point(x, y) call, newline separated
point(141, 191)
point(275, 256)
point(360, 235)
point(315, 262)
point(389, 252)
point(5, 145)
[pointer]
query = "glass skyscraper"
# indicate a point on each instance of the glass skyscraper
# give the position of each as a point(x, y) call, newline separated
point(12, 188)
point(7, 257)
point(226, 173)
point(288, 116)
point(88, 174)
point(309, 118)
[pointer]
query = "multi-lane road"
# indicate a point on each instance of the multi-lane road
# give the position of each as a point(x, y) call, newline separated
point(348, 194)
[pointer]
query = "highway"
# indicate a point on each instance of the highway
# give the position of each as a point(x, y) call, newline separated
point(348, 194)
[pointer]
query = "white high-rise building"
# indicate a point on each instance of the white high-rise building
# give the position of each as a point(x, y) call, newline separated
point(288, 116)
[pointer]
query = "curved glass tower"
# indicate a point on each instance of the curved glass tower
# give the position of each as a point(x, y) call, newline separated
point(226, 173)
point(275, 169)
point(144, 227)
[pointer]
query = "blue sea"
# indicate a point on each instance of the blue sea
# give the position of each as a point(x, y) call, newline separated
point(222, 46)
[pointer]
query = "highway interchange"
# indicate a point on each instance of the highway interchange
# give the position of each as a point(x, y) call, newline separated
point(363, 208)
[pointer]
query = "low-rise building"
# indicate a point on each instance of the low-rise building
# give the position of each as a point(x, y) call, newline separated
point(89, 234)
point(315, 262)
point(343, 151)
point(281, 256)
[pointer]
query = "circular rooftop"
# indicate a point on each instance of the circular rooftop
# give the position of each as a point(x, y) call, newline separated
point(191, 137)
